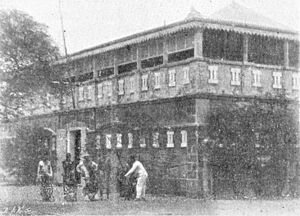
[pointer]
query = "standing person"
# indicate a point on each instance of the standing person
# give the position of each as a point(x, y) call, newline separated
point(140, 172)
point(104, 171)
point(69, 180)
point(44, 177)
point(88, 169)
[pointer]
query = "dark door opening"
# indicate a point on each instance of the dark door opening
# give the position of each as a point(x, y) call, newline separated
point(77, 146)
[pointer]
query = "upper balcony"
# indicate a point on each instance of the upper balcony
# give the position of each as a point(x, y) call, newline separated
point(197, 55)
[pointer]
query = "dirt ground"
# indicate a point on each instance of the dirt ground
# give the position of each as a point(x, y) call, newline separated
point(27, 199)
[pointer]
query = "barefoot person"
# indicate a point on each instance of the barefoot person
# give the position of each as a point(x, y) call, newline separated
point(88, 169)
point(140, 172)
point(69, 181)
point(44, 177)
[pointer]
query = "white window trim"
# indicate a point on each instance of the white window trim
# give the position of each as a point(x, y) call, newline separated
point(142, 142)
point(172, 77)
point(144, 82)
point(109, 88)
point(155, 137)
point(108, 141)
point(100, 90)
point(131, 85)
point(121, 87)
point(296, 81)
point(186, 75)
point(277, 80)
point(157, 80)
point(89, 92)
point(119, 140)
point(235, 76)
point(213, 74)
point(183, 138)
point(170, 136)
point(81, 93)
point(256, 78)
point(130, 140)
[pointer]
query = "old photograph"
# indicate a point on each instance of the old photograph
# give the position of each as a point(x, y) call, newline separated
point(149, 107)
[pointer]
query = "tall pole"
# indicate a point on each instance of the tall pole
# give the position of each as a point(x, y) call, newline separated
point(66, 53)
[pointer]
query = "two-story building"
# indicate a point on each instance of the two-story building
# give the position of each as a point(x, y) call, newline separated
point(152, 91)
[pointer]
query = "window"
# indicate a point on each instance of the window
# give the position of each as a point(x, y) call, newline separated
point(266, 50)
point(108, 141)
point(109, 89)
point(183, 138)
point(222, 45)
point(235, 76)
point(277, 80)
point(121, 86)
point(131, 85)
point(156, 140)
point(100, 90)
point(256, 78)
point(81, 93)
point(296, 81)
point(186, 75)
point(142, 142)
point(119, 140)
point(181, 46)
point(170, 135)
point(144, 82)
point(90, 92)
point(157, 80)
point(172, 74)
point(130, 140)
point(151, 53)
point(213, 74)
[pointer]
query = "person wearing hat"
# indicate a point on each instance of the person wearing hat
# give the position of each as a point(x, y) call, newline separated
point(88, 168)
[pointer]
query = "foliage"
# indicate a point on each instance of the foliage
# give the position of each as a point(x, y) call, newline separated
point(21, 156)
point(253, 139)
point(26, 54)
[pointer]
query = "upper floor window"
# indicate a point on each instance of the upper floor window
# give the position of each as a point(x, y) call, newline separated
point(121, 86)
point(180, 46)
point(131, 85)
point(142, 141)
point(170, 142)
point(223, 45)
point(277, 80)
point(235, 76)
point(155, 140)
point(156, 80)
point(256, 78)
point(293, 53)
point(109, 89)
point(100, 90)
point(108, 141)
point(130, 140)
point(183, 138)
point(127, 54)
point(144, 82)
point(80, 93)
point(172, 77)
point(213, 74)
point(90, 92)
point(266, 50)
point(296, 81)
point(119, 140)
point(152, 53)
point(186, 75)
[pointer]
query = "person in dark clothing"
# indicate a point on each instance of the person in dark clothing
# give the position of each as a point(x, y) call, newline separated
point(69, 180)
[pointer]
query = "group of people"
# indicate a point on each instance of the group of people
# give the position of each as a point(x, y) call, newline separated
point(130, 179)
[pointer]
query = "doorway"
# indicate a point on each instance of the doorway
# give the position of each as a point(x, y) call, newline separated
point(75, 149)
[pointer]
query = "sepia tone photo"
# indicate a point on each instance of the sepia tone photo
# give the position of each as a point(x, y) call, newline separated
point(139, 107)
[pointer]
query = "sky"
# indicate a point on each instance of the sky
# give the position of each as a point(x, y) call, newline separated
point(88, 23)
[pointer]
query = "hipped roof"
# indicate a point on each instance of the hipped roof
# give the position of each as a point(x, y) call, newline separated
point(232, 18)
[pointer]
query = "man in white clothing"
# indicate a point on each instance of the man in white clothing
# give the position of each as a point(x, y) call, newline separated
point(140, 172)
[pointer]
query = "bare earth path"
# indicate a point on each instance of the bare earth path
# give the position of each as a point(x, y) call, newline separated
point(12, 196)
